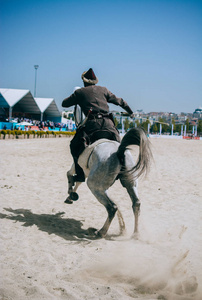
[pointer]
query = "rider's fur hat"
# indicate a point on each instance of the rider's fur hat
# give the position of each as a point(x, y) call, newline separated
point(89, 77)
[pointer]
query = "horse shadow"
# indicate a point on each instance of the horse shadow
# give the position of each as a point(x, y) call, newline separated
point(68, 229)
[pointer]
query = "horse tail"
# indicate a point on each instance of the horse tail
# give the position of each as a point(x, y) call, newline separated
point(136, 136)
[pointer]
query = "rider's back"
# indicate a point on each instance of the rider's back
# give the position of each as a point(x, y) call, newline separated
point(94, 97)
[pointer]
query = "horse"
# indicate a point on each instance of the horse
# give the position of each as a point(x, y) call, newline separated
point(106, 161)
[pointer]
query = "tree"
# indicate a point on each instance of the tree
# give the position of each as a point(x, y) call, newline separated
point(173, 122)
point(165, 127)
point(119, 125)
point(126, 124)
point(154, 128)
point(116, 122)
point(187, 125)
point(131, 125)
point(145, 124)
point(137, 122)
point(178, 128)
point(199, 127)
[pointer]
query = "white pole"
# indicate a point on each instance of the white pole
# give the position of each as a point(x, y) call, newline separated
point(122, 125)
point(181, 130)
point(10, 113)
point(36, 67)
point(172, 129)
point(148, 128)
point(185, 129)
point(193, 130)
point(196, 130)
point(160, 128)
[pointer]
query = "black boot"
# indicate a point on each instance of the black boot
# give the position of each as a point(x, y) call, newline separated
point(80, 176)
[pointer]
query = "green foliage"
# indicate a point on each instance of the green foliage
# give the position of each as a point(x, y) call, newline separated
point(154, 128)
point(187, 125)
point(28, 133)
point(37, 134)
point(165, 128)
point(4, 132)
point(145, 125)
point(173, 122)
point(116, 122)
point(40, 134)
point(177, 128)
point(17, 132)
point(131, 125)
point(137, 122)
point(199, 127)
point(68, 133)
point(126, 124)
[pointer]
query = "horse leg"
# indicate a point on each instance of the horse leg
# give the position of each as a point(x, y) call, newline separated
point(71, 188)
point(121, 222)
point(77, 184)
point(109, 205)
point(70, 185)
point(70, 178)
point(132, 191)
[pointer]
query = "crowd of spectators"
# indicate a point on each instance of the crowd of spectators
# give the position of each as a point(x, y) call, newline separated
point(42, 125)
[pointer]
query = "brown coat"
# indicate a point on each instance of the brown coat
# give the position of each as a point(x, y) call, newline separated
point(96, 97)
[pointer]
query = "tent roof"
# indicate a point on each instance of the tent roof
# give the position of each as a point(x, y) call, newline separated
point(21, 99)
point(48, 106)
point(43, 103)
point(12, 96)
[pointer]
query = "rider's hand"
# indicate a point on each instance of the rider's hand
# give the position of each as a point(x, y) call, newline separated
point(132, 116)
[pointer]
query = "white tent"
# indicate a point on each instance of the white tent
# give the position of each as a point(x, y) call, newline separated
point(48, 106)
point(18, 100)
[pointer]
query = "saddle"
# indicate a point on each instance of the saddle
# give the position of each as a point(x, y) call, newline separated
point(83, 159)
point(101, 134)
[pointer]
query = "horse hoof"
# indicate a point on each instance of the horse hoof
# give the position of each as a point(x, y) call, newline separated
point(94, 232)
point(74, 196)
point(68, 201)
point(135, 236)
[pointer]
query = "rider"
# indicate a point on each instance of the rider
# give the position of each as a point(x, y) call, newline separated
point(99, 122)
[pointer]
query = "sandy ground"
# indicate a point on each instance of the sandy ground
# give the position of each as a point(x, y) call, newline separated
point(45, 253)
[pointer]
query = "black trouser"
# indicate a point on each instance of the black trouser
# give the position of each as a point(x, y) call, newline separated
point(93, 130)
point(77, 145)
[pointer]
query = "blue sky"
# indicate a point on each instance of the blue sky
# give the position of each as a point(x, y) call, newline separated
point(149, 52)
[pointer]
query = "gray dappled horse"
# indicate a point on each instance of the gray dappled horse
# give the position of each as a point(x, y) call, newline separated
point(103, 164)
